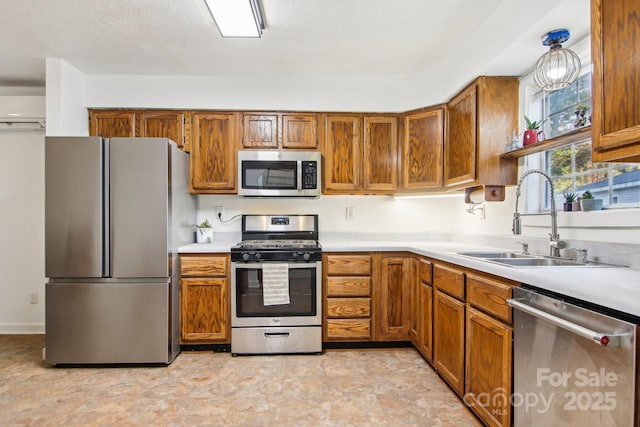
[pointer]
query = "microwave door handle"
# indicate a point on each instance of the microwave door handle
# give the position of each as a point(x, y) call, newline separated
point(299, 172)
point(604, 339)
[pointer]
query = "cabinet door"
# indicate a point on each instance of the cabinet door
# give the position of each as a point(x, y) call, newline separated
point(162, 124)
point(299, 131)
point(488, 368)
point(213, 153)
point(380, 172)
point(425, 320)
point(461, 141)
point(260, 131)
point(414, 313)
point(422, 149)
point(342, 152)
point(205, 311)
point(616, 88)
point(112, 124)
point(393, 298)
point(448, 340)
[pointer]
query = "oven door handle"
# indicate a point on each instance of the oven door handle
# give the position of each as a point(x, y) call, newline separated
point(276, 334)
point(604, 339)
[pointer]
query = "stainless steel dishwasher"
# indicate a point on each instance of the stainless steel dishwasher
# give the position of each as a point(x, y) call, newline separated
point(572, 365)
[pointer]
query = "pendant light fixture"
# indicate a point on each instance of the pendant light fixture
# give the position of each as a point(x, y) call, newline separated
point(559, 67)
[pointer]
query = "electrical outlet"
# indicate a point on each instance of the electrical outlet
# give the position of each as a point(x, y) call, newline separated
point(33, 297)
point(350, 213)
point(219, 211)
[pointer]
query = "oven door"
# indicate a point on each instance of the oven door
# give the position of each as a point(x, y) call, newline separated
point(247, 304)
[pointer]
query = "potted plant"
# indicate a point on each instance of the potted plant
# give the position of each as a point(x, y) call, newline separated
point(532, 133)
point(204, 232)
point(589, 203)
point(569, 200)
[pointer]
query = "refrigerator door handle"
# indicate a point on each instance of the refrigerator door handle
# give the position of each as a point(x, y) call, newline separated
point(106, 214)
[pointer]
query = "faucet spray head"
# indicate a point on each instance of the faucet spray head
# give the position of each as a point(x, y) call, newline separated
point(516, 228)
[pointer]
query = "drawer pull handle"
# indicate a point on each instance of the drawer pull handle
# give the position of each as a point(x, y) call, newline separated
point(276, 334)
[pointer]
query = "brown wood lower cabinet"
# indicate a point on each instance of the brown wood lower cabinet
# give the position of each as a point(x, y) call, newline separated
point(488, 368)
point(347, 297)
point(448, 339)
point(488, 381)
point(394, 287)
point(204, 303)
point(425, 325)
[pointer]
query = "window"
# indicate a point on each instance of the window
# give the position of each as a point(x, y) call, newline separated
point(572, 171)
point(570, 167)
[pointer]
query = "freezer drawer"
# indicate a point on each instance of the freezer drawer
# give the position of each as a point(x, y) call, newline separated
point(109, 322)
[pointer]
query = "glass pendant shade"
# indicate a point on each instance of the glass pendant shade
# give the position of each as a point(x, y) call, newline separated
point(559, 67)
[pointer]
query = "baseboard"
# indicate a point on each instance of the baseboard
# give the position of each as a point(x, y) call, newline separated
point(21, 328)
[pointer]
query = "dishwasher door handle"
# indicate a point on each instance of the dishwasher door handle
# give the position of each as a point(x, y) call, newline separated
point(604, 339)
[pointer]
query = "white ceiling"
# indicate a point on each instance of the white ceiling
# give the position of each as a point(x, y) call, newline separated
point(387, 40)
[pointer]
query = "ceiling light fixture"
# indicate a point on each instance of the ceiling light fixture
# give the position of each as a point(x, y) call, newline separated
point(559, 67)
point(237, 18)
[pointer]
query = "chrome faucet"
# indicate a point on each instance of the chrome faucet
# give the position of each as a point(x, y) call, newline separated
point(555, 244)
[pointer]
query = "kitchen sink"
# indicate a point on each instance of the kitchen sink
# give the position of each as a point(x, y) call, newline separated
point(515, 259)
point(539, 262)
point(475, 254)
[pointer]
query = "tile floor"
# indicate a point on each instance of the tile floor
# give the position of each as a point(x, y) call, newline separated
point(389, 387)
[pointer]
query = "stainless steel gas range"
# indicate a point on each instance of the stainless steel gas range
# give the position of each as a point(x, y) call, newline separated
point(276, 286)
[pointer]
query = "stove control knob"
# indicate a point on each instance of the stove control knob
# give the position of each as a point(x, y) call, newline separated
point(258, 256)
point(294, 255)
point(245, 256)
point(306, 256)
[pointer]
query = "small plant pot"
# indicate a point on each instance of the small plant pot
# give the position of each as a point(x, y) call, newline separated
point(204, 235)
point(567, 206)
point(576, 205)
point(530, 137)
point(591, 204)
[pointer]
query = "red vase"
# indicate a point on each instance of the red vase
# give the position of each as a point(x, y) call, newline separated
point(530, 137)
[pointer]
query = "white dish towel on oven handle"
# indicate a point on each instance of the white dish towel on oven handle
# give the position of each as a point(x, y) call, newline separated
point(275, 283)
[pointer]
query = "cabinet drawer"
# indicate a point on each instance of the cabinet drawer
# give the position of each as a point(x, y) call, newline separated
point(355, 265)
point(449, 280)
point(348, 286)
point(425, 271)
point(349, 307)
point(348, 329)
point(203, 266)
point(489, 295)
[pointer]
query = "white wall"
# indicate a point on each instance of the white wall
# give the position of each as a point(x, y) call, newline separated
point(66, 107)
point(381, 215)
point(22, 231)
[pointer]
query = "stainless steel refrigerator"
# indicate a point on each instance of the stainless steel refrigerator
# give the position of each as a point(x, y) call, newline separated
point(116, 211)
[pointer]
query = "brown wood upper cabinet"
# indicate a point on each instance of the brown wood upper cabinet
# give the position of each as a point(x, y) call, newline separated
point(140, 123)
point(422, 150)
point(480, 123)
point(163, 124)
point(342, 148)
point(112, 124)
point(615, 48)
point(213, 153)
point(279, 131)
point(360, 154)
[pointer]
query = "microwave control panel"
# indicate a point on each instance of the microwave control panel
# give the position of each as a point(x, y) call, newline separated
point(309, 175)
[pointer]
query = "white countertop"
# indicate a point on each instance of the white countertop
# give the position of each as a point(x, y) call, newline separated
point(617, 288)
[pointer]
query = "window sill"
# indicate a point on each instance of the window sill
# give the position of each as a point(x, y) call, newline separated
point(565, 139)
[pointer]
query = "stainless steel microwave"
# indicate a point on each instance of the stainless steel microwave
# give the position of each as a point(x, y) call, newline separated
point(263, 173)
